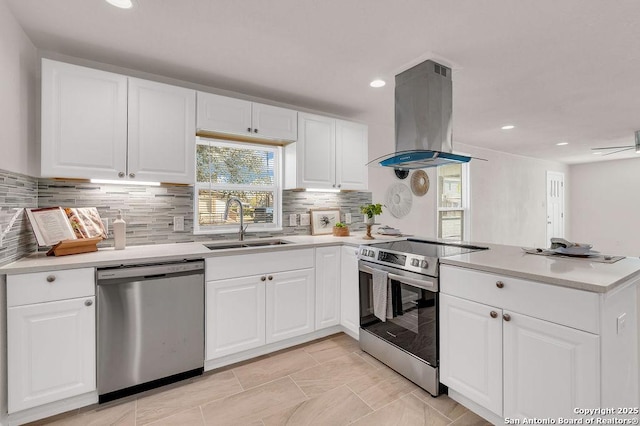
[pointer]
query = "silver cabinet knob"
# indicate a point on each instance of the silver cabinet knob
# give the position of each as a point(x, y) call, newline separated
point(493, 314)
point(121, 174)
point(499, 284)
point(255, 130)
point(88, 302)
point(506, 317)
point(249, 129)
point(270, 277)
point(51, 278)
point(263, 278)
point(132, 175)
point(339, 186)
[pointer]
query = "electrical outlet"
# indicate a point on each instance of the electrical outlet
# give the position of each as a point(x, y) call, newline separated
point(178, 223)
point(293, 219)
point(305, 219)
point(347, 218)
point(622, 323)
point(105, 223)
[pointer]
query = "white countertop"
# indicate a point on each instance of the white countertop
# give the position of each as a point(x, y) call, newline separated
point(39, 262)
point(578, 273)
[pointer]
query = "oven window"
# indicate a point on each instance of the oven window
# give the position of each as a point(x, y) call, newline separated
point(413, 327)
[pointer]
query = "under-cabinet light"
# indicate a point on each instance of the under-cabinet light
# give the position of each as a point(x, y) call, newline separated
point(508, 127)
point(125, 182)
point(321, 190)
point(562, 143)
point(122, 4)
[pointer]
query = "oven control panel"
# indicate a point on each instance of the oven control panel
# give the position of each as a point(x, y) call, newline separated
point(404, 261)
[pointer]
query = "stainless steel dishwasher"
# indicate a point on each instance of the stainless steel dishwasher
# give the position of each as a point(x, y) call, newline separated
point(150, 326)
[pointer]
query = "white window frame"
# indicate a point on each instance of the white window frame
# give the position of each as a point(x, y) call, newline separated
point(208, 186)
point(465, 201)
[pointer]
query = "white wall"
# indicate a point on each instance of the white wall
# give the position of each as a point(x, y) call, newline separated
point(18, 83)
point(507, 194)
point(605, 205)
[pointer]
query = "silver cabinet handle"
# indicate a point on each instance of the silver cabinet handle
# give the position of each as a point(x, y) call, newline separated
point(132, 175)
point(249, 129)
point(506, 317)
point(263, 278)
point(499, 284)
point(88, 302)
point(493, 314)
point(51, 278)
point(121, 174)
point(255, 130)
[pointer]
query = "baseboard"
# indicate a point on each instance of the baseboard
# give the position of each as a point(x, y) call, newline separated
point(51, 409)
point(490, 416)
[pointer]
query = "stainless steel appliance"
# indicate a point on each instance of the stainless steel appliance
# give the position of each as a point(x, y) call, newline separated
point(408, 341)
point(150, 326)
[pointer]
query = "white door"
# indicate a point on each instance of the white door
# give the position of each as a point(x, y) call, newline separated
point(316, 151)
point(471, 350)
point(223, 115)
point(290, 304)
point(555, 205)
point(549, 369)
point(51, 352)
point(161, 132)
point(327, 287)
point(84, 122)
point(352, 154)
point(349, 291)
point(235, 315)
point(273, 122)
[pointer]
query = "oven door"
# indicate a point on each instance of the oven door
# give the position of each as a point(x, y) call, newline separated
point(414, 326)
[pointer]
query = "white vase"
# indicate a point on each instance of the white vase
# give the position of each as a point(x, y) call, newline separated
point(369, 220)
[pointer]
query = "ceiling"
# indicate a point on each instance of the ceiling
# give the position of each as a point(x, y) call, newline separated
point(558, 70)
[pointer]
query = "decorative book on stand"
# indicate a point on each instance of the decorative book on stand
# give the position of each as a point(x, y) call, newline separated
point(67, 231)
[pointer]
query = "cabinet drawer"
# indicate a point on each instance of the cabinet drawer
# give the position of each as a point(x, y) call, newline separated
point(219, 268)
point(574, 308)
point(25, 289)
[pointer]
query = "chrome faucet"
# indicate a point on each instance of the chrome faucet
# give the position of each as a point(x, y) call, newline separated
point(226, 215)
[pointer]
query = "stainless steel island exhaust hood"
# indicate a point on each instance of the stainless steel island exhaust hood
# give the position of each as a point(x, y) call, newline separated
point(423, 98)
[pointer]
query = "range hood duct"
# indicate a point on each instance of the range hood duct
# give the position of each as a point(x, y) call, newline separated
point(423, 98)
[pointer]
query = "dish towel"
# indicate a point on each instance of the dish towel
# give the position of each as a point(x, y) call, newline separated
point(382, 307)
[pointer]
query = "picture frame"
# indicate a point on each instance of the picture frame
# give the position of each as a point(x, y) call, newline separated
point(322, 220)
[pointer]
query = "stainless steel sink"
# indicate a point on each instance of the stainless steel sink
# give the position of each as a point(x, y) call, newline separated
point(245, 244)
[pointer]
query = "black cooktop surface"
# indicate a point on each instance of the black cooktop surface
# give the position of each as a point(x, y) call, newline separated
point(433, 249)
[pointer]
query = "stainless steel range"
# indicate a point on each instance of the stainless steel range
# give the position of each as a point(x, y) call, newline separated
point(399, 305)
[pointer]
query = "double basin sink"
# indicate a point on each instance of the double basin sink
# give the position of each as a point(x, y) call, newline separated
point(245, 244)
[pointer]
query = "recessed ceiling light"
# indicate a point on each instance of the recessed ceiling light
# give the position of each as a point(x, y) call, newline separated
point(508, 127)
point(377, 83)
point(122, 4)
point(562, 143)
point(596, 153)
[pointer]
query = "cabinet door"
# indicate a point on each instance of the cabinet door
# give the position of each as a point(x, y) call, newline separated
point(290, 300)
point(51, 352)
point(549, 369)
point(327, 287)
point(161, 132)
point(316, 151)
point(352, 153)
point(471, 350)
point(84, 122)
point(224, 115)
point(235, 315)
point(349, 290)
point(274, 122)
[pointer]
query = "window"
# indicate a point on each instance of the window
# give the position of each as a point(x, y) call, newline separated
point(249, 172)
point(452, 202)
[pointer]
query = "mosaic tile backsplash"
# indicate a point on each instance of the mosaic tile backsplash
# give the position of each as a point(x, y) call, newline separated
point(148, 210)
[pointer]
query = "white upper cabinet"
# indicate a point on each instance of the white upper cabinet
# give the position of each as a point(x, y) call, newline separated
point(221, 114)
point(329, 154)
point(84, 122)
point(97, 124)
point(161, 132)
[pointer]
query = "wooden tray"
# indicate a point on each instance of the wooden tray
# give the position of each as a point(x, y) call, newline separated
point(82, 245)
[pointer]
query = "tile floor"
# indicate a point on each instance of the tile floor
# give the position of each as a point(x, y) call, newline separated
point(325, 382)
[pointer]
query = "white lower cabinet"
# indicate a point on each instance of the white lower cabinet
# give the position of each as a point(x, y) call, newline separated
point(514, 365)
point(235, 315)
point(289, 304)
point(349, 290)
point(51, 345)
point(327, 286)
